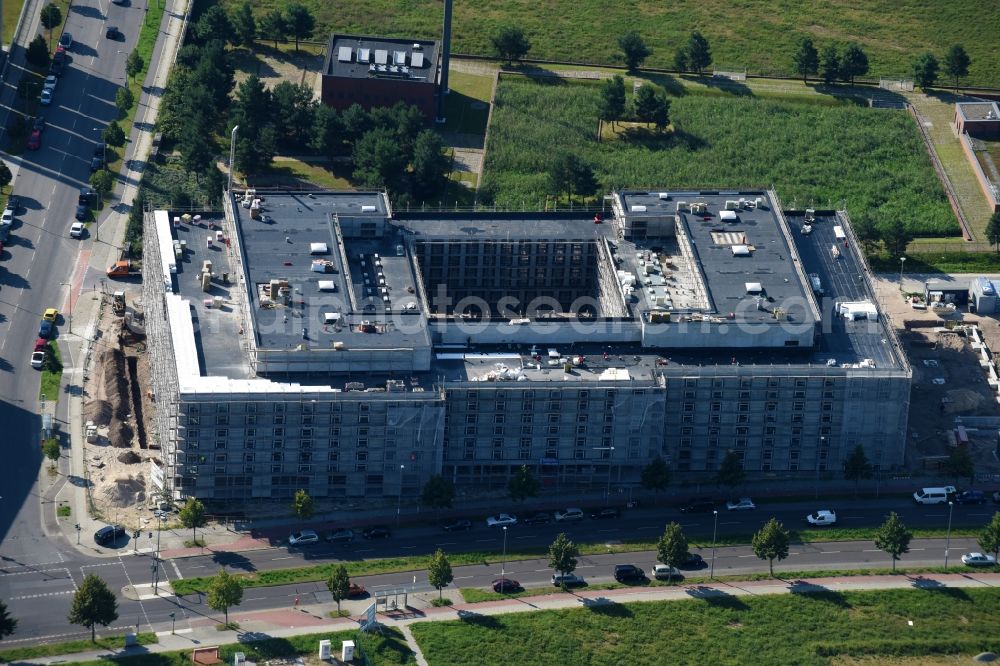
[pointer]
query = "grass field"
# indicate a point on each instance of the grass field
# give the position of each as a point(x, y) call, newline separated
point(814, 154)
point(759, 35)
point(49, 386)
point(72, 647)
point(787, 629)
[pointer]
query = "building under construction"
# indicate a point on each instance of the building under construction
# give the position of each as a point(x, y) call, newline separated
point(326, 342)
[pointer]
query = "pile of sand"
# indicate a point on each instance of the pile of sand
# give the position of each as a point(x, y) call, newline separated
point(129, 457)
point(123, 491)
point(963, 401)
point(120, 434)
point(98, 411)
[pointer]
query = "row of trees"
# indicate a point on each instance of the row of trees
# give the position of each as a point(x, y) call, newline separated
point(926, 67)
point(648, 105)
point(242, 28)
point(831, 65)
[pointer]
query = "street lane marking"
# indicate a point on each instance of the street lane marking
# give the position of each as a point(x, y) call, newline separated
point(44, 594)
point(179, 631)
point(290, 557)
point(445, 544)
point(176, 570)
point(517, 537)
point(463, 577)
point(826, 552)
point(407, 547)
point(198, 566)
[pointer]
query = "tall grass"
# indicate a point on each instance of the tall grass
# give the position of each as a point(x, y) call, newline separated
point(814, 154)
point(787, 629)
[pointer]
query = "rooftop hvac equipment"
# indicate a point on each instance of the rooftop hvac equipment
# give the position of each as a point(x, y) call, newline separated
point(741, 250)
point(376, 257)
point(807, 229)
point(681, 205)
point(838, 231)
point(665, 196)
point(364, 55)
point(417, 47)
point(416, 60)
point(381, 56)
point(368, 209)
point(321, 266)
point(400, 251)
point(732, 205)
point(728, 215)
point(751, 204)
point(810, 214)
point(206, 266)
point(327, 285)
point(638, 208)
point(399, 57)
point(754, 287)
point(331, 317)
point(338, 346)
point(318, 248)
point(780, 314)
point(760, 202)
point(344, 54)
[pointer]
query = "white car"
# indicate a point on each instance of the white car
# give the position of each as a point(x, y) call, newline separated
point(501, 520)
point(37, 358)
point(742, 504)
point(8, 217)
point(664, 572)
point(302, 538)
point(46, 97)
point(978, 560)
point(822, 517)
point(572, 513)
point(76, 230)
point(569, 580)
point(50, 83)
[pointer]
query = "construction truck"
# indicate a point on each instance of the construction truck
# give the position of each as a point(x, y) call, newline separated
point(123, 268)
point(118, 303)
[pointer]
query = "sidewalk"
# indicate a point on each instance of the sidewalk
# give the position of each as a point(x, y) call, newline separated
point(314, 619)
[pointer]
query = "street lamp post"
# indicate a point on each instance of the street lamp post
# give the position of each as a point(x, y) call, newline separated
point(399, 498)
point(78, 530)
point(232, 156)
point(156, 558)
point(715, 529)
point(902, 261)
point(69, 315)
point(173, 622)
point(503, 559)
point(947, 544)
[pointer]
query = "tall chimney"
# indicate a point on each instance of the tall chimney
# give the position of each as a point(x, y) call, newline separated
point(445, 58)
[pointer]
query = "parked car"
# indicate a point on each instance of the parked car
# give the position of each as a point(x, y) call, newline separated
point(628, 572)
point(303, 538)
point(606, 512)
point(502, 585)
point(539, 518)
point(971, 497)
point(38, 123)
point(35, 140)
point(109, 534)
point(978, 560)
point(698, 505)
point(112, 32)
point(501, 520)
point(120, 3)
point(568, 580)
point(50, 314)
point(8, 216)
point(76, 230)
point(66, 40)
point(742, 504)
point(822, 517)
point(41, 344)
point(14, 203)
point(56, 67)
point(45, 329)
point(81, 212)
point(37, 359)
point(461, 525)
point(341, 535)
point(996, 497)
point(570, 514)
point(50, 82)
point(378, 532)
point(60, 57)
point(96, 163)
point(86, 196)
point(694, 561)
point(46, 97)
point(663, 572)
point(355, 590)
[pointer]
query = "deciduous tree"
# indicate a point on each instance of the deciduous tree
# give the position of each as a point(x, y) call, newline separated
point(672, 547)
point(959, 464)
point(656, 475)
point(93, 604)
point(379, 160)
point(523, 484)
point(192, 515)
point(439, 573)
point(51, 449)
point(730, 472)
point(612, 104)
point(806, 59)
point(993, 231)
point(771, 543)
point(7, 623)
point(50, 18)
point(38, 52)
point(438, 493)
point(224, 592)
point(853, 63)
point(956, 63)
point(300, 21)
point(274, 27)
point(925, 70)
point(563, 554)
point(829, 66)
point(5, 175)
point(339, 584)
point(124, 100)
point(510, 44)
point(895, 235)
point(989, 538)
point(893, 538)
point(302, 505)
point(114, 135)
point(857, 467)
point(699, 53)
point(134, 64)
point(634, 50)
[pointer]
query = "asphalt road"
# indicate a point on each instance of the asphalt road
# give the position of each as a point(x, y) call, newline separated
point(40, 258)
point(39, 593)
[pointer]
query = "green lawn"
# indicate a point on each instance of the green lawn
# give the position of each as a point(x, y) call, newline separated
point(490, 557)
point(383, 649)
point(71, 647)
point(814, 154)
point(759, 35)
point(788, 629)
point(49, 389)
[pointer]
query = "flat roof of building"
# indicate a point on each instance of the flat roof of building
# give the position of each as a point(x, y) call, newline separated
point(366, 56)
point(979, 110)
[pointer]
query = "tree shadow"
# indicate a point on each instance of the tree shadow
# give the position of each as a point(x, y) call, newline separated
point(233, 560)
point(716, 597)
point(669, 83)
point(540, 75)
point(817, 592)
point(735, 88)
point(605, 606)
point(478, 619)
point(87, 12)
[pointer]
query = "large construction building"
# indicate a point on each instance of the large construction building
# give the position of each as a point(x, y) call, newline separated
point(326, 342)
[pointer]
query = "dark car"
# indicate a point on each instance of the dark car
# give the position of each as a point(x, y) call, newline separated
point(86, 196)
point(698, 505)
point(376, 533)
point(109, 534)
point(606, 512)
point(45, 329)
point(81, 212)
point(694, 561)
point(537, 519)
point(39, 124)
point(113, 32)
point(14, 202)
point(120, 3)
point(461, 525)
point(57, 66)
point(502, 585)
point(66, 40)
point(59, 57)
point(628, 572)
point(971, 497)
point(96, 164)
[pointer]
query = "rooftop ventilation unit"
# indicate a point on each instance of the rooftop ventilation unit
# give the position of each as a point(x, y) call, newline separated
point(741, 251)
point(754, 287)
point(364, 55)
point(381, 56)
point(638, 209)
point(416, 59)
point(417, 47)
point(344, 54)
point(399, 57)
point(368, 209)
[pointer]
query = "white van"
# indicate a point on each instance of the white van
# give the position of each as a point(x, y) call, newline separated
point(934, 495)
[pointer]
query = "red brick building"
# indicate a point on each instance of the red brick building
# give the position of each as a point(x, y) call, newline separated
point(380, 71)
